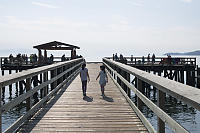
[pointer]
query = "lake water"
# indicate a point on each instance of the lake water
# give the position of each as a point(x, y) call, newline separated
point(187, 116)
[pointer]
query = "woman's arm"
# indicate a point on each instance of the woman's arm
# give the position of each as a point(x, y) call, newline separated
point(98, 76)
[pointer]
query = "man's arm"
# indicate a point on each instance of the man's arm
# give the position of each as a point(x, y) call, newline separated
point(88, 76)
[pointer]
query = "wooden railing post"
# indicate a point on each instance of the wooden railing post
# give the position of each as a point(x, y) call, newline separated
point(3, 89)
point(139, 87)
point(28, 100)
point(47, 77)
point(62, 69)
point(123, 74)
point(115, 68)
point(10, 86)
point(53, 74)
point(64, 76)
point(128, 89)
point(44, 80)
point(42, 90)
point(58, 72)
point(182, 76)
point(161, 104)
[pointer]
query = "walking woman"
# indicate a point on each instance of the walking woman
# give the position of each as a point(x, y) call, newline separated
point(84, 78)
point(103, 79)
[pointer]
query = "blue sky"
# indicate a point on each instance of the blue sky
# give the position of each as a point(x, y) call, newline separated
point(101, 27)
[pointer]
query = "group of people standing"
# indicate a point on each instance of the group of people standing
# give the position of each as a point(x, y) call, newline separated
point(84, 75)
point(121, 58)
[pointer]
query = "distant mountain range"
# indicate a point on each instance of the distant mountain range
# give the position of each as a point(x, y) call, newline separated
point(185, 53)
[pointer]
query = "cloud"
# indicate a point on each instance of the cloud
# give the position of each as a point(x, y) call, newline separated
point(186, 1)
point(47, 24)
point(44, 5)
point(138, 3)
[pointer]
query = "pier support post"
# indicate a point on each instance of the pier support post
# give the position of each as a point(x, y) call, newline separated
point(136, 86)
point(3, 89)
point(198, 77)
point(21, 90)
point(176, 75)
point(16, 86)
point(123, 73)
point(0, 110)
point(188, 78)
point(58, 72)
point(64, 76)
point(44, 80)
point(128, 89)
point(10, 86)
point(28, 100)
point(193, 78)
point(41, 90)
point(54, 84)
point(154, 88)
point(182, 76)
point(118, 79)
point(47, 77)
point(39, 56)
point(52, 75)
point(139, 86)
point(161, 102)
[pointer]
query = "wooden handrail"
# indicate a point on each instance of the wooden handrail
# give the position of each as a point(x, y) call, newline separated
point(185, 93)
point(72, 67)
point(138, 112)
point(171, 87)
point(9, 79)
point(19, 99)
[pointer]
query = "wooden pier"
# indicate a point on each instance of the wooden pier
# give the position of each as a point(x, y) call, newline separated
point(180, 69)
point(69, 112)
point(61, 107)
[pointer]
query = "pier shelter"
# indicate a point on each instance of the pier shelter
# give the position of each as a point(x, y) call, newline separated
point(55, 45)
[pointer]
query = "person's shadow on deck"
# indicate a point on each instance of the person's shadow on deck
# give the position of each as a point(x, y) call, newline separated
point(88, 99)
point(108, 99)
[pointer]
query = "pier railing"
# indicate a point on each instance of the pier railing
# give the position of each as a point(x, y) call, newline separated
point(19, 63)
point(158, 60)
point(54, 77)
point(120, 74)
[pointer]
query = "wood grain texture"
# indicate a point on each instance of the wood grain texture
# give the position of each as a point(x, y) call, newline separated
point(69, 112)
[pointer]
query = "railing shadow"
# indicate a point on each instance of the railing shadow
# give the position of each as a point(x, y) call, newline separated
point(41, 113)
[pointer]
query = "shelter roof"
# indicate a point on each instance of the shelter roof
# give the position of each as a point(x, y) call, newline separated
point(55, 45)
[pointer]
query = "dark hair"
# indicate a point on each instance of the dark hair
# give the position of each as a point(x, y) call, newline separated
point(83, 66)
point(103, 68)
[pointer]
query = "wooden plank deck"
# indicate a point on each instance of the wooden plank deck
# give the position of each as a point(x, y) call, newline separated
point(69, 112)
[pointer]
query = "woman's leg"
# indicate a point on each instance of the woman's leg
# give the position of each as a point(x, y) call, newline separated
point(102, 89)
point(85, 88)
